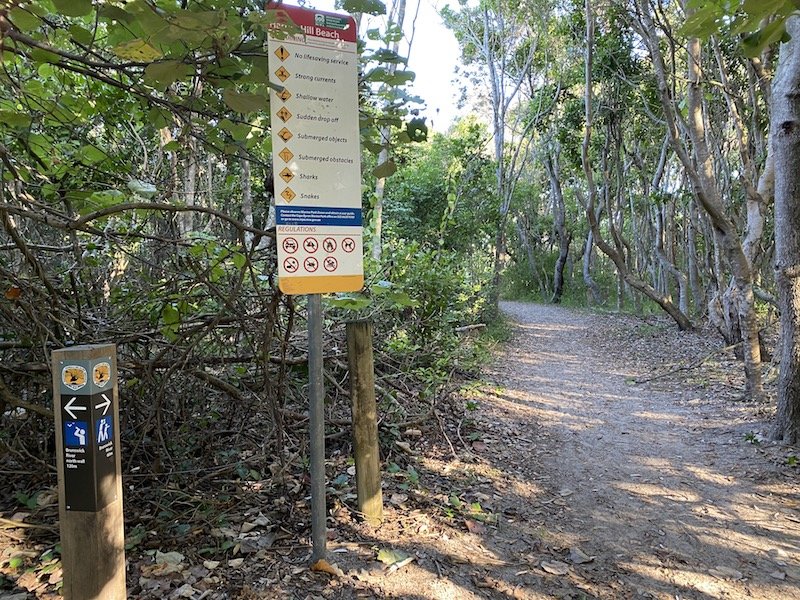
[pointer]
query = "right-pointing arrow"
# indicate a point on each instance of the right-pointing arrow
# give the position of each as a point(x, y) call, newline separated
point(104, 405)
point(69, 407)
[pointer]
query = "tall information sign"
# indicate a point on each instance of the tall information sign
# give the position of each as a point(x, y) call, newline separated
point(315, 149)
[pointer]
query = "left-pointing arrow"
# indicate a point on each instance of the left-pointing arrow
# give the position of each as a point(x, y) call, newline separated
point(69, 407)
point(104, 404)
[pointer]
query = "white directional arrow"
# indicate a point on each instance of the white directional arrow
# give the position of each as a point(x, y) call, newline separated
point(69, 408)
point(104, 405)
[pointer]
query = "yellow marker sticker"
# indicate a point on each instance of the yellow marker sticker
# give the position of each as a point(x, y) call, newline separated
point(288, 194)
point(282, 53)
point(286, 155)
point(283, 74)
point(74, 376)
point(285, 134)
point(101, 374)
point(284, 94)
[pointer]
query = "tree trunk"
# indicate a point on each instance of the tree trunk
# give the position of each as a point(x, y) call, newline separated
point(559, 224)
point(700, 170)
point(399, 8)
point(785, 137)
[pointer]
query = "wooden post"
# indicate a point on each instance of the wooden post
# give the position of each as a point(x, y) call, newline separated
point(86, 407)
point(365, 421)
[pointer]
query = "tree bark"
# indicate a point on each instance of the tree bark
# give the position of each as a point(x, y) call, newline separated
point(785, 138)
point(559, 224)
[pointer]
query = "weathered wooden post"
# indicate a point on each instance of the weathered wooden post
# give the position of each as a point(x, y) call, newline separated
point(86, 407)
point(365, 421)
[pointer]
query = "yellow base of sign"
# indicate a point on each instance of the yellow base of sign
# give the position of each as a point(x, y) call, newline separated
point(321, 284)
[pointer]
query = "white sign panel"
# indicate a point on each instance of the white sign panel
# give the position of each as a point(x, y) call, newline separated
point(316, 152)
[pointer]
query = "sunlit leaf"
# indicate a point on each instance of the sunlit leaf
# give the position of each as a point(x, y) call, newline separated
point(137, 50)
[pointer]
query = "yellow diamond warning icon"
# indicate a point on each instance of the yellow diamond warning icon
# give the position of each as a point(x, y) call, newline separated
point(282, 53)
point(288, 194)
point(284, 94)
point(285, 134)
point(286, 175)
point(286, 155)
point(284, 114)
point(283, 74)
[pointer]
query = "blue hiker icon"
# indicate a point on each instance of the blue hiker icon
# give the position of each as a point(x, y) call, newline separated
point(103, 431)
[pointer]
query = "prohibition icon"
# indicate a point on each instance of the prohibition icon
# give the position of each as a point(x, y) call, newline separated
point(290, 245)
point(310, 264)
point(291, 265)
point(348, 245)
point(330, 264)
point(310, 245)
point(329, 244)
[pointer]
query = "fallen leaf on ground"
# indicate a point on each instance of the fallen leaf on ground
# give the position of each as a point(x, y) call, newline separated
point(726, 573)
point(323, 566)
point(474, 526)
point(388, 556)
point(555, 567)
point(579, 557)
point(235, 563)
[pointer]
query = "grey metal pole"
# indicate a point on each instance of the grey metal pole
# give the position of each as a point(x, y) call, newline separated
point(316, 413)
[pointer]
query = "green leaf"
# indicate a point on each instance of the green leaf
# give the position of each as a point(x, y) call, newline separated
point(81, 35)
point(417, 130)
point(239, 260)
point(757, 42)
point(24, 20)
point(354, 302)
point(142, 188)
point(137, 50)
point(165, 73)
point(73, 8)
point(385, 55)
point(170, 315)
point(386, 169)
point(103, 199)
point(243, 102)
point(92, 155)
point(15, 120)
point(40, 55)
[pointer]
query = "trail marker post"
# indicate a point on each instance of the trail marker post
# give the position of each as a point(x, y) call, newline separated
point(366, 449)
point(86, 407)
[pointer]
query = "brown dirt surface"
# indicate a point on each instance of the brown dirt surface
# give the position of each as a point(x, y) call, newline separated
point(600, 456)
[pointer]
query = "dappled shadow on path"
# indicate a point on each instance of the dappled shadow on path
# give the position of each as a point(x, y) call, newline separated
point(661, 492)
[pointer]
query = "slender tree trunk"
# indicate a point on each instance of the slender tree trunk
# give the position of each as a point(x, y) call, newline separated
point(785, 137)
point(399, 14)
point(559, 224)
point(247, 199)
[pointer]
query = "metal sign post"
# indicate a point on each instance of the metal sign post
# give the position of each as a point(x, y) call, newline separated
point(85, 402)
point(316, 159)
point(316, 415)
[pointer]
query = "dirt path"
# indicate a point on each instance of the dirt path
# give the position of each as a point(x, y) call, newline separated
point(601, 488)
